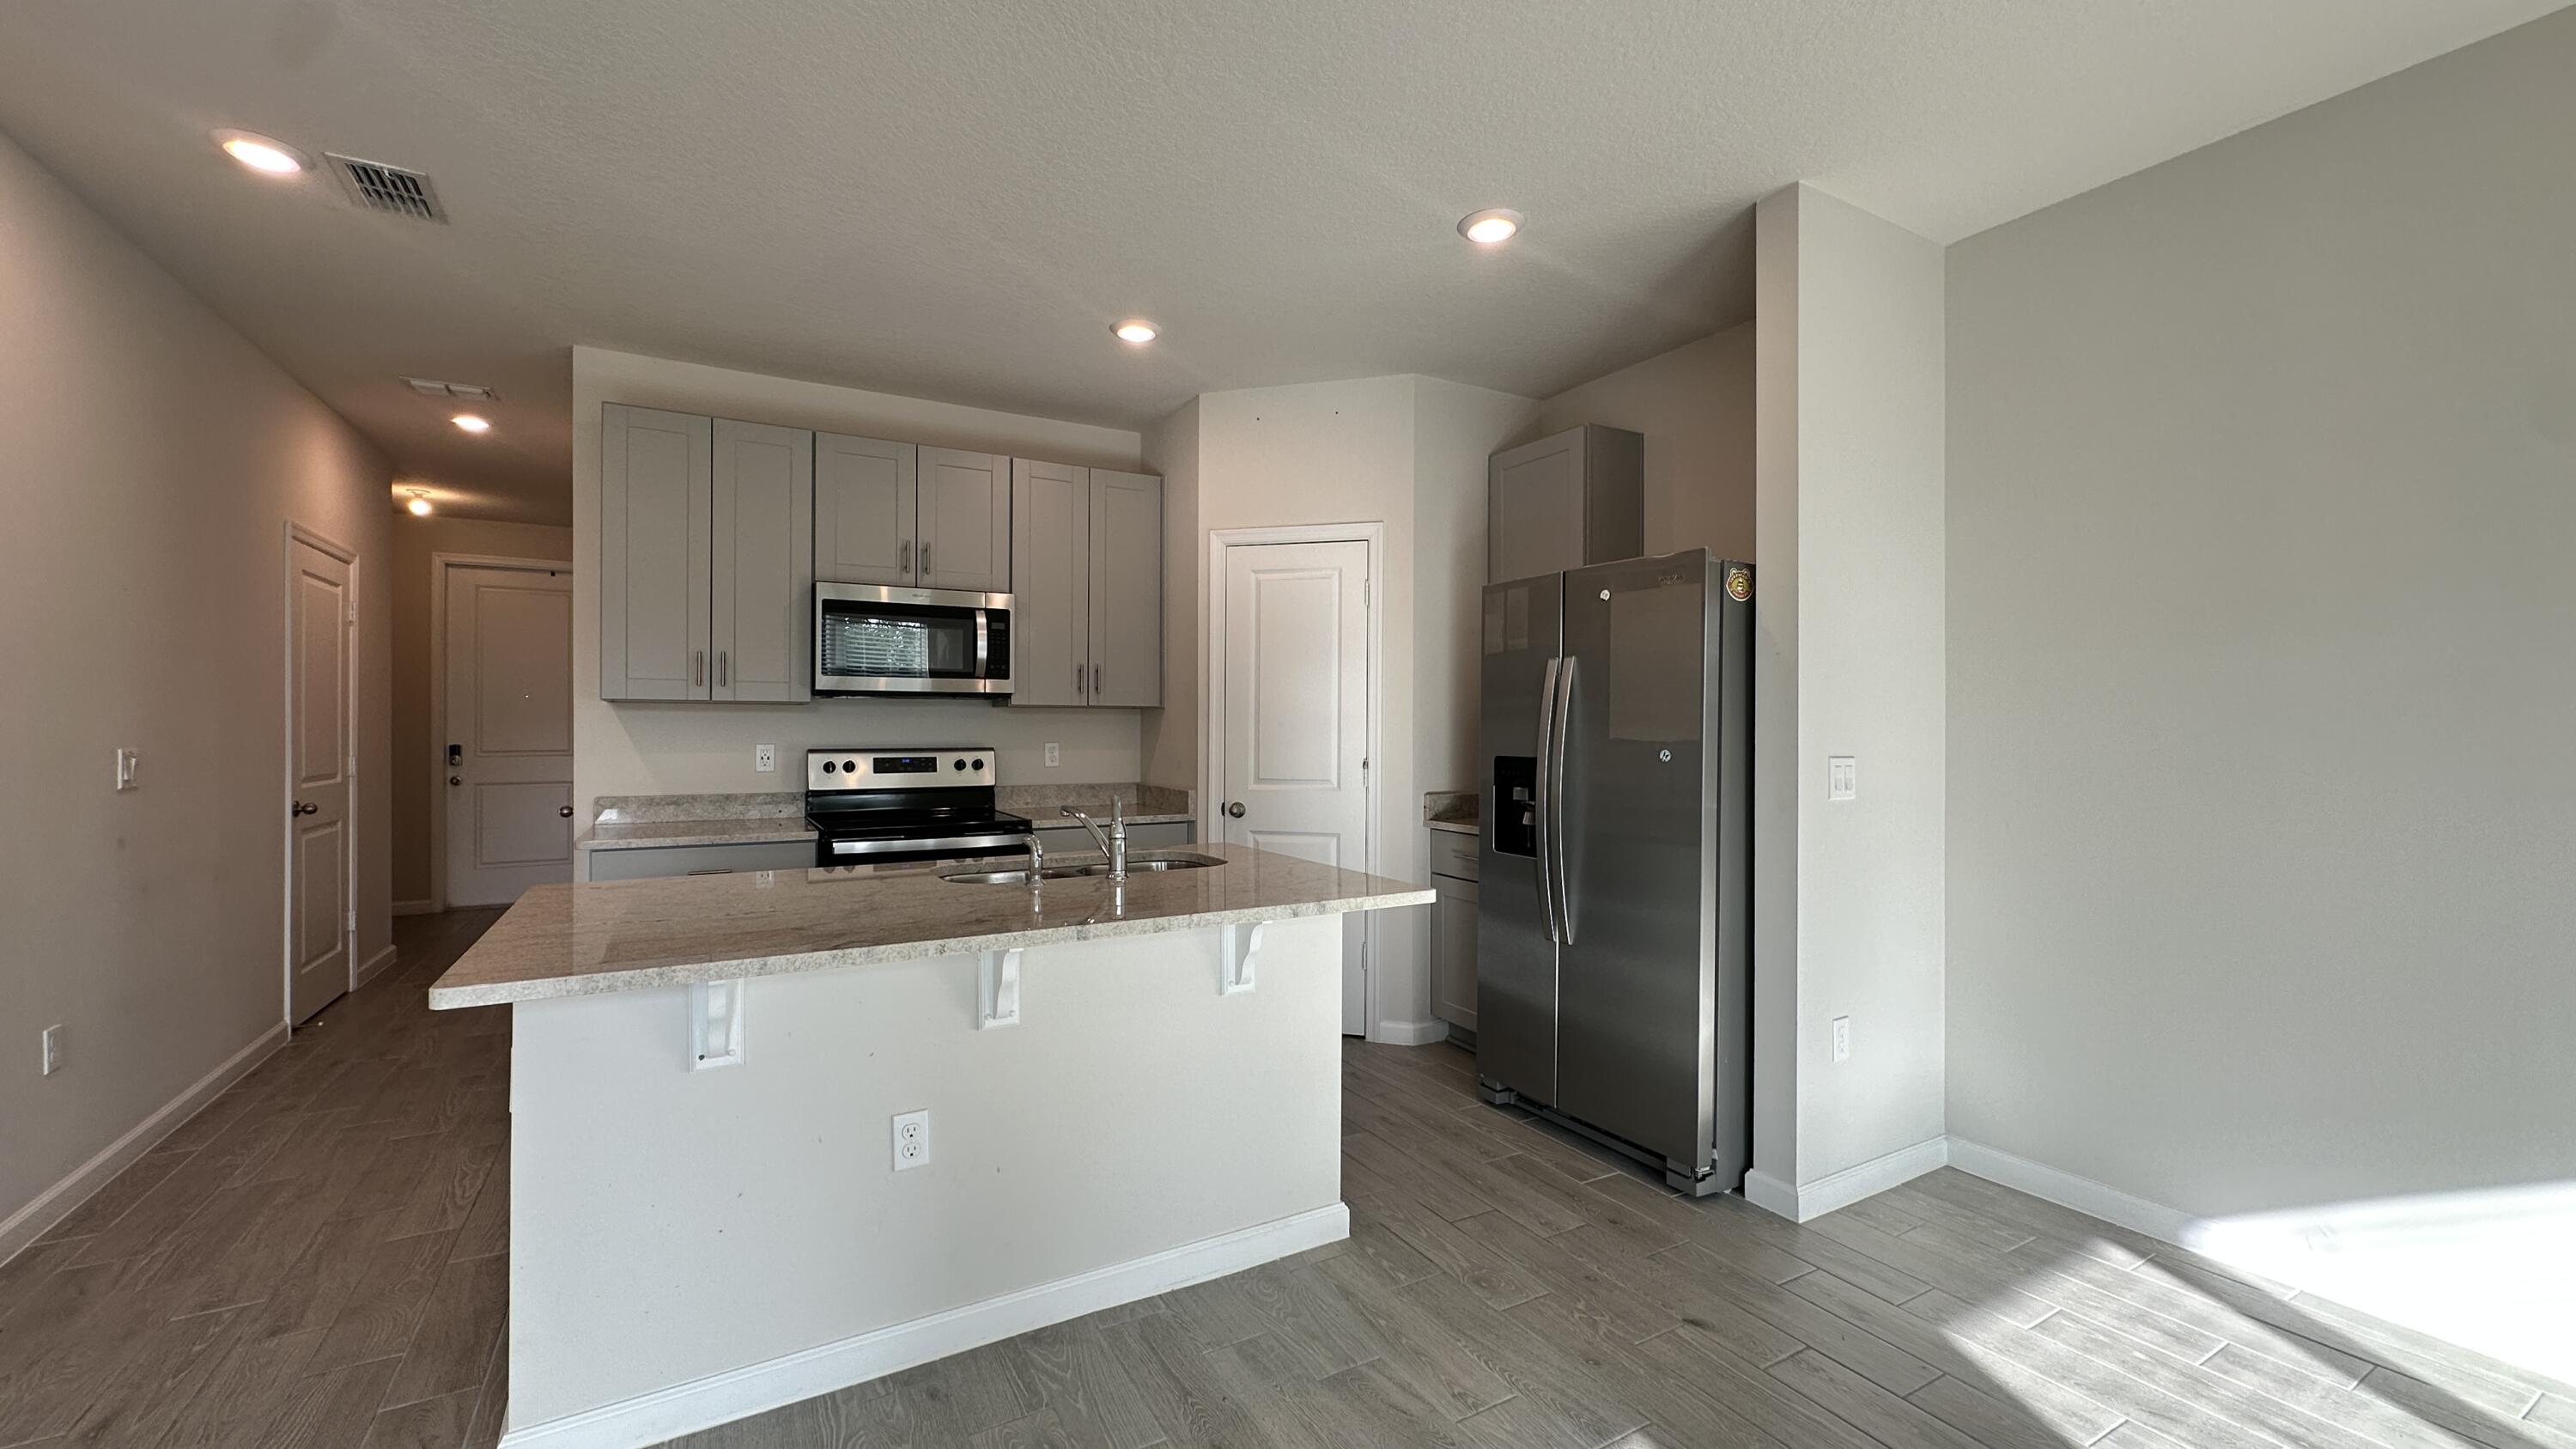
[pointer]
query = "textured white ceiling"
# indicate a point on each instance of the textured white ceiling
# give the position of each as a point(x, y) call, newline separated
point(955, 198)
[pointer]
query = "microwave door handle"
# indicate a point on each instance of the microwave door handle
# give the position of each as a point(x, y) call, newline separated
point(983, 642)
point(1542, 807)
point(1564, 907)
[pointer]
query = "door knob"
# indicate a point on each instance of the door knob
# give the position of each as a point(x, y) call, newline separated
point(303, 807)
point(1234, 808)
point(456, 779)
point(564, 810)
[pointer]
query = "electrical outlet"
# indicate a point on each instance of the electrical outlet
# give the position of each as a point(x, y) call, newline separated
point(1842, 777)
point(764, 758)
point(911, 1140)
point(53, 1049)
point(1055, 756)
point(127, 762)
point(1842, 1038)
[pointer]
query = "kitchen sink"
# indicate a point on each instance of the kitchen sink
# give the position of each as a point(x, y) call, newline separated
point(1136, 865)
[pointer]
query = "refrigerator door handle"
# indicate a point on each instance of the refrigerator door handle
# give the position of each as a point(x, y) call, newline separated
point(1542, 804)
point(1561, 903)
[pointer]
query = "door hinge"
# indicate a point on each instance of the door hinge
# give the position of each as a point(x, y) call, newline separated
point(352, 618)
point(353, 920)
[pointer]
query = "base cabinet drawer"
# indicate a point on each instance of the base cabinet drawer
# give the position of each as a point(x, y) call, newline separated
point(637, 864)
point(1453, 854)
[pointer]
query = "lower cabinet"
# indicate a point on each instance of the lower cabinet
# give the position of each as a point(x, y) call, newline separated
point(636, 864)
point(1453, 936)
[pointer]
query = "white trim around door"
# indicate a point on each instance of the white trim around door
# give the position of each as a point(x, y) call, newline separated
point(436, 761)
point(1212, 703)
point(297, 533)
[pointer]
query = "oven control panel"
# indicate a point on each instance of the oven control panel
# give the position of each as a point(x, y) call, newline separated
point(906, 769)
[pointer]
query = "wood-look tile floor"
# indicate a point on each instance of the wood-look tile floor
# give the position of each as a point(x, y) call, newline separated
point(319, 1259)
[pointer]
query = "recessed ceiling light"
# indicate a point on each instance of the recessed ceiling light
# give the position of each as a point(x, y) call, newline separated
point(419, 504)
point(472, 422)
point(1490, 226)
point(259, 153)
point(1136, 329)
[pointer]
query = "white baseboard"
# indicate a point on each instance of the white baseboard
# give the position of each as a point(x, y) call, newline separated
point(756, 1388)
point(57, 1202)
point(375, 966)
point(2065, 1189)
point(415, 908)
point(1411, 1033)
point(1815, 1199)
point(2486, 1269)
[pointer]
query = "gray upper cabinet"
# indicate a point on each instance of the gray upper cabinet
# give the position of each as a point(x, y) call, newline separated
point(1050, 574)
point(864, 498)
point(656, 561)
point(1575, 498)
point(965, 521)
point(1126, 548)
point(763, 546)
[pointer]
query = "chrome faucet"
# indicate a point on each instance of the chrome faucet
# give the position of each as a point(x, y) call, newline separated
point(1037, 858)
point(1113, 844)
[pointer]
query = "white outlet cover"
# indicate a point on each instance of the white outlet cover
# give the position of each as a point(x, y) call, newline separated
point(1054, 755)
point(911, 1140)
point(764, 758)
point(53, 1048)
point(1842, 1038)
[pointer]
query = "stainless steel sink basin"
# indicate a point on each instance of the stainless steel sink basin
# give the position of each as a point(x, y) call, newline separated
point(1136, 865)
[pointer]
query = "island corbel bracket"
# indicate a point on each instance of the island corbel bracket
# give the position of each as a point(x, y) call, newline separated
point(997, 993)
point(715, 1024)
point(1237, 947)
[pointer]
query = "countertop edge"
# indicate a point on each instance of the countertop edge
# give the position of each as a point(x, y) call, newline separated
point(685, 833)
point(602, 983)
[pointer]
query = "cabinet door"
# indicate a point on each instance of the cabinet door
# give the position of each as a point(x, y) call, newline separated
point(965, 521)
point(1126, 588)
point(863, 510)
point(1453, 951)
point(1050, 583)
point(764, 563)
point(1534, 508)
point(655, 512)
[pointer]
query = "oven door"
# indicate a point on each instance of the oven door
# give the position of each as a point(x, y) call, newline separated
point(870, 639)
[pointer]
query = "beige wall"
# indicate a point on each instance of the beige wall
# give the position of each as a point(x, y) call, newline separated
point(1695, 406)
point(2263, 814)
point(649, 749)
point(153, 460)
point(1169, 739)
point(418, 740)
point(1848, 914)
point(1455, 429)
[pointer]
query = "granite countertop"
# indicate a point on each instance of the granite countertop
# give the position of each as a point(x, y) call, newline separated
point(1144, 804)
point(1454, 811)
point(596, 937)
point(647, 834)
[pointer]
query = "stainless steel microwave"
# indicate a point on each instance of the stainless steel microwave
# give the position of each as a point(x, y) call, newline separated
point(871, 639)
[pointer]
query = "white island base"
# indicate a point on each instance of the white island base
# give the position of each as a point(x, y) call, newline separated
point(689, 1246)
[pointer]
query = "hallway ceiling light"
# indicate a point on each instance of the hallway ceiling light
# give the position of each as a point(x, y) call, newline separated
point(1486, 228)
point(419, 504)
point(472, 422)
point(259, 153)
point(1137, 330)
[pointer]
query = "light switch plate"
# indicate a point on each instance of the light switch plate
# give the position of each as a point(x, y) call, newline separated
point(53, 1049)
point(127, 762)
point(1842, 777)
point(1842, 1038)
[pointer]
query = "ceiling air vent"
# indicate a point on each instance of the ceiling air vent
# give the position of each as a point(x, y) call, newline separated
point(379, 187)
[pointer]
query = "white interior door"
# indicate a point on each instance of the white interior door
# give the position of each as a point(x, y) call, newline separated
point(320, 613)
point(509, 732)
point(1296, 680)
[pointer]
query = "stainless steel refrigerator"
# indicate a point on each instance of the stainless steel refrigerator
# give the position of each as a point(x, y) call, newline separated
point(1614, 934)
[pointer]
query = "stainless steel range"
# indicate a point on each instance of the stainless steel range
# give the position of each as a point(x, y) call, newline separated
point(876, 807)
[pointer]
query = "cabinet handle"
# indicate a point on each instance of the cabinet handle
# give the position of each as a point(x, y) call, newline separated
point(698, 666)
point(1095, 681)
point(723, 673)
point(925, 563)
point(906, 565)
point(1077, 679)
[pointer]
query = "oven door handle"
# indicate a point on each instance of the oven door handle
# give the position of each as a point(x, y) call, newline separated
point(1017, 840)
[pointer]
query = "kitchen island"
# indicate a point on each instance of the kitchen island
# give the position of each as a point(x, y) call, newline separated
point(1129, 1087)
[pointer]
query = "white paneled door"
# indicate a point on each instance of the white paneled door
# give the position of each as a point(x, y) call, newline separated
point(508, 760)
point(1296, 681)
point(321, 611)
